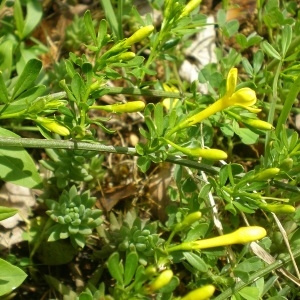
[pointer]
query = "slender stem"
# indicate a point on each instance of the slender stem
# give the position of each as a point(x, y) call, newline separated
point(288, 103)
point(64, 144)
point(271, 114)
point(254, 277)
point(130, 91)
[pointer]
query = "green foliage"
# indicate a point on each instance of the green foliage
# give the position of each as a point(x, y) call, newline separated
point(10, 278)
point(235, 150)
point(74, 217)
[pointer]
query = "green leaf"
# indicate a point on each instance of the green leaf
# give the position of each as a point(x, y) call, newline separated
point(3, 94)
point(247, 66)
point(19, 17)
point(114, 268)
point(269, 49)
point(231, 28)
point(257, 61)
point(85, 296)
point(159, 119)
point(17, 165)
point(102, 32)
point(6, 58)
point(27, 77)
point(111, 18)
point(61, 288)
point(249, 293)
point(286, 38)
point(144, 163)
point(77, 87)
point(131, 265)
point(10, 277)
point(196, 261)
point(34, 15)
point(89, 25)
point(7, 212)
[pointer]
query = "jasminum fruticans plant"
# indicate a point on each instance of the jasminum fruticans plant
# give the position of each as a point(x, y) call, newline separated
point(244, 97)
point(74, 217)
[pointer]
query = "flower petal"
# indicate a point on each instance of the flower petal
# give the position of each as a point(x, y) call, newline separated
point(231, 81)
point(244, 97)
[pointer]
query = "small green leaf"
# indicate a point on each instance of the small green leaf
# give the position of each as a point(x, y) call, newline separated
point(61, 288)
point(34, 13)
point(6, 61)
point(102, 32)
point(7, 212)
point(159, 119)
point(17, 165)
point(247, 66)
point(89, 25)
point(144, 163)
point(131, 265)
point(286, 39)
point(196, 261)
point(269, 49)
point(249, 293)
point(3, 94)
point(19, 17)
point(10, 277)
point(77, 87)
point(27, 77)
point(257, 61)
point(231, 28)
point(114, 268)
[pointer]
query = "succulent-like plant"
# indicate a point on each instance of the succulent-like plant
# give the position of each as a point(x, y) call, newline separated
point(74, 216)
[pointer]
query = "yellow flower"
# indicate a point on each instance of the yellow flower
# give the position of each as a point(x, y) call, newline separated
point(242, 235)
point(190, 7)
point(53, 126)
point(162, 280)
point(244, 97)
point(202, 293)
point(129, 107)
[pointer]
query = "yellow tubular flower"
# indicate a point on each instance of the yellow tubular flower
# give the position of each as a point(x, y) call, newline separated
point(129, 107)
point(52, 126)
point(210, 154)
point(202, 293)
point(244, 97)
point(240, 236)
point(139, 35)
point(190, 7)
point(162, 280)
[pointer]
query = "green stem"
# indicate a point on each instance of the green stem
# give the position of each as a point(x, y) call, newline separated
point(271, 114)
point(73, 145)
point(131, 91)
point(259, 274)
point(288, 104)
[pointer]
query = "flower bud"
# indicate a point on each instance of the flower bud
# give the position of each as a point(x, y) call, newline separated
point(210, 154)
point(241, 236)
point(52, 126)
point(202, 293)
point(188, 220)
point(128, 107)
point(190, 7)
point(259, 124)
point(266, 174)
point(278, 208)
point(126, 56)
point(139, 35)
point(162, 280)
